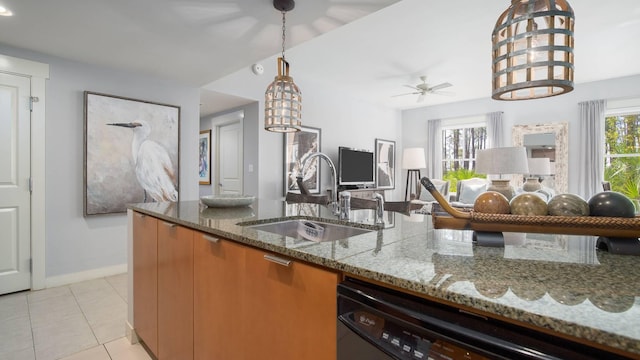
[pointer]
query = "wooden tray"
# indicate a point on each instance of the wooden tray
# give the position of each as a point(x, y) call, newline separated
point(453, 218)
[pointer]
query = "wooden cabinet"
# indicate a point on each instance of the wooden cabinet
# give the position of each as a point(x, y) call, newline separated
point(145, 280)
point(218, 274)
point(200, 297)
point(175, 292)
point(291, 308)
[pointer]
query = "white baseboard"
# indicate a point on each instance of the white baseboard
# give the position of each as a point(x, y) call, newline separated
point(131, 334)
point(67, 279)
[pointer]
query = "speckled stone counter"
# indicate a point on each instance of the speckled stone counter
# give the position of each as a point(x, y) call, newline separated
point(554, 282)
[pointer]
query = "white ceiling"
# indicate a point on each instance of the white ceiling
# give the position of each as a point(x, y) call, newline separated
point(370, 47)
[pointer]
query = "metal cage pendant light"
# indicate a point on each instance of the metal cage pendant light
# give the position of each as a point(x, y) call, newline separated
point(283, 99)
point(533, 50)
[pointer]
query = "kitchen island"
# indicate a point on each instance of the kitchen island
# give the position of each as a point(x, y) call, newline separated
point(556, 284)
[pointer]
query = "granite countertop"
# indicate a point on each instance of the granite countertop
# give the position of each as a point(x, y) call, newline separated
point(555, 282)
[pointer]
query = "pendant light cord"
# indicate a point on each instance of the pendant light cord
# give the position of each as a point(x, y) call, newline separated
point(283, 32)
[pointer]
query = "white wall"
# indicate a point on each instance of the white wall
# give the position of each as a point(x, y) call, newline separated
point(343, 119)
point(74, 243)
point(562, 108)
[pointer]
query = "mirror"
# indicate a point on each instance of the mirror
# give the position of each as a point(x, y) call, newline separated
point(549, 141)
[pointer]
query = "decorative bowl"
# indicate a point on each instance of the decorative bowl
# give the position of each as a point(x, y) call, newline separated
point(220, 213)
point(227, 200)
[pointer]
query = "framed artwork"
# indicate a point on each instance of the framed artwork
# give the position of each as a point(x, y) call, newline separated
point(204, 161)
point(297, 147)
point(131, 152)
point(385, 164)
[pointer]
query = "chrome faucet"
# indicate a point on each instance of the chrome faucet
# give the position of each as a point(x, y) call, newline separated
point(379, 208)
point(333, 204)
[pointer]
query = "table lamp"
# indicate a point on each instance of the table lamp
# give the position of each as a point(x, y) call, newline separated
point(502, 161)
point(413, 160)
point(537, 167)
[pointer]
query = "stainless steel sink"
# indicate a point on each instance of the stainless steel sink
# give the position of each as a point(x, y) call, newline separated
point(310, 229)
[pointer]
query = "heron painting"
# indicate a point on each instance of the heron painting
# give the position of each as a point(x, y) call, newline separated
point(131, 153)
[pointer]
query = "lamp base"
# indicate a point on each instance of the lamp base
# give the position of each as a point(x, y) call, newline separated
point(413, 183)
point(532, 184)
point(503, 187)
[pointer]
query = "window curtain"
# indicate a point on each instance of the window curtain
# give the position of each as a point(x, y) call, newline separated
point(495, 133)
point(433, 150)
point(591, 148)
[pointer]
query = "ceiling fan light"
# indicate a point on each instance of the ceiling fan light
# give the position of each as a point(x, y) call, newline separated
point(533, 50)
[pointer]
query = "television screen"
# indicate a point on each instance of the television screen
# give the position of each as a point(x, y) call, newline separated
point(355, 167)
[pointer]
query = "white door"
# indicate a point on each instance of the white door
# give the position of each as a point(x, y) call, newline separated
point(229, 151)
point(15, 171)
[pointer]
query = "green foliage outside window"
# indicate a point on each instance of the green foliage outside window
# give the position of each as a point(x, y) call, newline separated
point(461, 174)
point(459, 148)
point(622, 154)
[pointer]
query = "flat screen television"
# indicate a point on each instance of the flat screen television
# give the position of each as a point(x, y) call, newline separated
point(355, 167)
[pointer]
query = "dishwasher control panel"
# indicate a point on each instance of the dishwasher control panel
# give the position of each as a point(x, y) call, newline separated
point(403, 343)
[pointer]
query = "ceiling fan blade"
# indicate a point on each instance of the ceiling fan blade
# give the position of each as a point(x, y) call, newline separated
point(440, 86)
point(411, 93)
point(445, 93)
point(412, 87)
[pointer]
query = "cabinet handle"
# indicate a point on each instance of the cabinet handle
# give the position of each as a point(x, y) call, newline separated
point(277, 260)
point(211, 238)
point(171, 225)
point(141, 216)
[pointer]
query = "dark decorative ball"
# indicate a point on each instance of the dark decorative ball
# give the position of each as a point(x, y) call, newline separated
point(611, 203)
point(492, 202)
point(528, 204)
point(568, 205)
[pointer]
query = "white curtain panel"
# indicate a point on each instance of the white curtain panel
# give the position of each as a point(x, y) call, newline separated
point(591, 148)
point(495, 130)
point(433, 150)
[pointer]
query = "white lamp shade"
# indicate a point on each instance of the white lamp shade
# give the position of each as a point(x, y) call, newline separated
point(499, 161)
point(413, 158)
point(539, 166)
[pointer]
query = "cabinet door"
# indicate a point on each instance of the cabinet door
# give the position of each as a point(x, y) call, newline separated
point(290, 309)
point(218, 292)
point(175, 292)
point(145, 280)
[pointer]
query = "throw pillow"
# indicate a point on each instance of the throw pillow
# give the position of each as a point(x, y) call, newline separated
point(469, 192)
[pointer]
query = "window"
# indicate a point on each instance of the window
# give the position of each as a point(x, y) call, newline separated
point(461, 139)
point(622, 151)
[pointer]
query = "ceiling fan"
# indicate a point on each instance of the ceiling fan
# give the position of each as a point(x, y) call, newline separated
point(423, 89)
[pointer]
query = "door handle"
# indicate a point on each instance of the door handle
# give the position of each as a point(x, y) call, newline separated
point(211, 238)
point(277, 260)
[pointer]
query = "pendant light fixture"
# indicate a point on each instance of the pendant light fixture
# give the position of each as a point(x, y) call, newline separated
point(533, 50)
point(283, 99)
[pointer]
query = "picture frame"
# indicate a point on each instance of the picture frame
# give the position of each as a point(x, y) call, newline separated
point(297, 147)
point(115, 129)
point(385, 164)
point(204, 158)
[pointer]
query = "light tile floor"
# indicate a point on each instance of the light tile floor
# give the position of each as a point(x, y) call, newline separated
point(82, 321)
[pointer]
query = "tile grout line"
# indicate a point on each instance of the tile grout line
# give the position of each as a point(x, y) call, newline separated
point(115, 290)
point(84, 316)
point(33, 337)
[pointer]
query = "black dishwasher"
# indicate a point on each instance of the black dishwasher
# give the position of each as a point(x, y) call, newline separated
point(375, 323)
